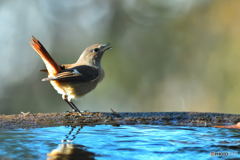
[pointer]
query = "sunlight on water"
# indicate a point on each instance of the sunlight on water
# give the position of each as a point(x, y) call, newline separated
point(105, 142)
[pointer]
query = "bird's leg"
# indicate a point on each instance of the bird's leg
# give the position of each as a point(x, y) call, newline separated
point(73, 106)
point(69, 103)
point(76, 108)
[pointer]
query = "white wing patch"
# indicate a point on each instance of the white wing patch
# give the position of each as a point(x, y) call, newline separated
point(75, 71)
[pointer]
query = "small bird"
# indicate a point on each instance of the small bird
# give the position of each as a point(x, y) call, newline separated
point(77, 79)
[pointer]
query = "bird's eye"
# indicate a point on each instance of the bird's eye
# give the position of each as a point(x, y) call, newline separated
point(96, 49)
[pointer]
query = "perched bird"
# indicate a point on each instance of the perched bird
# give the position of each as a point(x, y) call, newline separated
point(77, 79)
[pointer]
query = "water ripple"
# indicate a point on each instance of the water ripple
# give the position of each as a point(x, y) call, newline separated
point(131, 142)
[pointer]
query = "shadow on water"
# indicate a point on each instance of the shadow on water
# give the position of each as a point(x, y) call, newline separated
point(68, 151)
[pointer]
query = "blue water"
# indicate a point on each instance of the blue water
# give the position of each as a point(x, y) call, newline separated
point(130, 142)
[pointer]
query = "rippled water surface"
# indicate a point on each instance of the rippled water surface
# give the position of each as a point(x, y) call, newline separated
point(105, 142)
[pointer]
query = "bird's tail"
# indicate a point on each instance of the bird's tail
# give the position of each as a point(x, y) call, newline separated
point(51, 65)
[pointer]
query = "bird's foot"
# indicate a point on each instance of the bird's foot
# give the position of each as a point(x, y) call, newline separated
point(87, 113)
point(83, 113)
point(74, 112)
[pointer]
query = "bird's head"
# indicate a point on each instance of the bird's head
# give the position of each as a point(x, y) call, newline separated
point(92, 55)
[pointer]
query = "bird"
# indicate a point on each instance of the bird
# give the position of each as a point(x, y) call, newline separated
point(77, 79)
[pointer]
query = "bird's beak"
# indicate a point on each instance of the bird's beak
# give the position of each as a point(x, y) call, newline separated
point(105, 47)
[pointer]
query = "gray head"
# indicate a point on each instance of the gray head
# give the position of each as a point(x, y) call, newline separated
point(92, 55)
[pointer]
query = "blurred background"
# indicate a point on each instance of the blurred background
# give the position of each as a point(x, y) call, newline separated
point(175, 55)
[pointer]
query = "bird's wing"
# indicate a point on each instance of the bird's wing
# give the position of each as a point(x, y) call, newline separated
point(62, 67)
point(44, 70)
point(82, 73)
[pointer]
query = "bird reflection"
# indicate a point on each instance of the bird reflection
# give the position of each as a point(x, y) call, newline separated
point(68, 151)
point(73, 132)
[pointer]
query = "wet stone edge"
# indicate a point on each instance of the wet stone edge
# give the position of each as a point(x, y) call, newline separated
point(37, 120)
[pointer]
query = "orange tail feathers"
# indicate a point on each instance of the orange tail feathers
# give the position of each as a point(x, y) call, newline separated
point(51, 65)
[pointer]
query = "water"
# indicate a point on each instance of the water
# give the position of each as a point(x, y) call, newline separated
point(130, 142)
